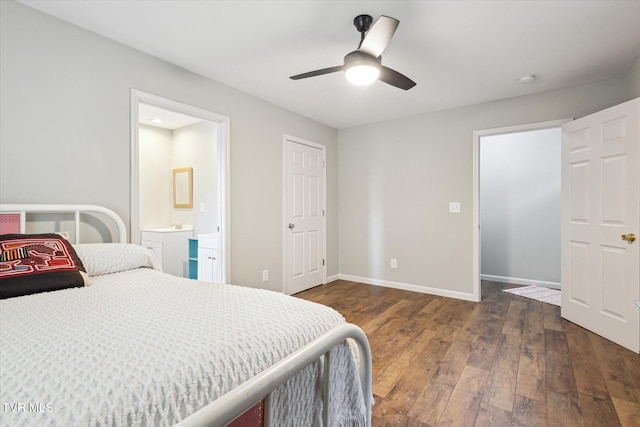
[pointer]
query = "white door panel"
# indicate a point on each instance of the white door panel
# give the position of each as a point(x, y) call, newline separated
point(314, 256)
point(297, 195)
point(304, 216)
point(297, 249)
point(601, 203)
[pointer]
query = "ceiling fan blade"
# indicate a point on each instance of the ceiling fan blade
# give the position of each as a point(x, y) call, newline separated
point(396, 79)
point(379, 36)
point(317, 72)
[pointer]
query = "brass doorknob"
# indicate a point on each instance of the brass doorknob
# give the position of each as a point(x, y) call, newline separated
point(628, 237)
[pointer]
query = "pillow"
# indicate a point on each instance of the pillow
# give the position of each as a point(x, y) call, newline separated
point(33, 263)
point(106, 258)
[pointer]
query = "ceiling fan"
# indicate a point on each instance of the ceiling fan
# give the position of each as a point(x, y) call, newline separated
point(364, 65)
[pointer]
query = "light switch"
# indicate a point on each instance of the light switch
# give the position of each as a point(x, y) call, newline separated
point(454, 207)
point(202, 210)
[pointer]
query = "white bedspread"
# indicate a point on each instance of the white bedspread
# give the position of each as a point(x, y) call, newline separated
point(144, 348)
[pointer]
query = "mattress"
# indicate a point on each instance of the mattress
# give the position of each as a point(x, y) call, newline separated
point(139, 347)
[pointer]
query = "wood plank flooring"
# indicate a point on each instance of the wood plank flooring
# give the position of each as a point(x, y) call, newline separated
point(506, 361)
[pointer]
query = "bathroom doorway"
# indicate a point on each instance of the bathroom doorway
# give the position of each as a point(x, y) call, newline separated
point(520, 243)
point(165, 136)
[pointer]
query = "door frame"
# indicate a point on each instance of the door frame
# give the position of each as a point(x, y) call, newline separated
point(477, 135)
point(223, 155)
point(285, 200)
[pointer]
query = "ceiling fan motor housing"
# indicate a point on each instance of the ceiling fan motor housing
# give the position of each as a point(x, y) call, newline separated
point(358, 57)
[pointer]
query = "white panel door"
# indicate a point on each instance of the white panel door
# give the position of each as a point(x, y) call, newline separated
point(304, 216)
point(600, 212)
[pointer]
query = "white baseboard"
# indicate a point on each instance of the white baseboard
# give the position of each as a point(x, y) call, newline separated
point(441, 292)
point(408, 287)
point(518, 281)
point(332, 278)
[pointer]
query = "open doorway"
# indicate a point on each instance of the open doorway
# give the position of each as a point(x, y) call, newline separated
point(200, 140)
point(516, 213)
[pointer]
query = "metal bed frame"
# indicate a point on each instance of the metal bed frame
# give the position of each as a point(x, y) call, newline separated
point(233, 404)
point(24, 209)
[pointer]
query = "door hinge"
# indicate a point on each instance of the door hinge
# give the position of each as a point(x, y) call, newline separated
point(323, 262)
point(322, 212)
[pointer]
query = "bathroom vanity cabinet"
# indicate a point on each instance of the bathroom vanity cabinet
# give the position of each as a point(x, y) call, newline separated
point(208, 258)
point(170, 246)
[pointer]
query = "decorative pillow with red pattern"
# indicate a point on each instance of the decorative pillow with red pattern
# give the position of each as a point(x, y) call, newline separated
point(33, 263)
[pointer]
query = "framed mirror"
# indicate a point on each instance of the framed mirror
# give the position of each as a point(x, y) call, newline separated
point(183, 188)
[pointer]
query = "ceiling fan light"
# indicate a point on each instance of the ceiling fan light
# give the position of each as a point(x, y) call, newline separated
point(362, 74)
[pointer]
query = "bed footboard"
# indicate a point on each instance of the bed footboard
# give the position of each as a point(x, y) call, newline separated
point(233, 404)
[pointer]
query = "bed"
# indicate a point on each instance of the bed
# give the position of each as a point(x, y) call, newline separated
point(135, 346)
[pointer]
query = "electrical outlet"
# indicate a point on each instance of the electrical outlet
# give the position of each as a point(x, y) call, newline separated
point(454, 207)
point(394, 263)
point(265, 275)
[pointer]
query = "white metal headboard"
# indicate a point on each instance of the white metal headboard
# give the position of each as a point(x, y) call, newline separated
point(24, 209)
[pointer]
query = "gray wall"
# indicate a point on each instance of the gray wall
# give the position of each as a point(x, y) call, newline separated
point(398, 177)
point(520, 206)
point(634, 80)
point(65, 133)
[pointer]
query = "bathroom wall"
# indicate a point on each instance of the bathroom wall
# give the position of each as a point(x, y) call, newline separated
point(163, 150)
point(156, 198)
point(195, 146)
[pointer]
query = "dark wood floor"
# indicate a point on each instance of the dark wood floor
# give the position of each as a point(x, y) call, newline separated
point(506, 361)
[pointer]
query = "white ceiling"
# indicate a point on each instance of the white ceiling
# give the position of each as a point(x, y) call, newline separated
point(458, 52)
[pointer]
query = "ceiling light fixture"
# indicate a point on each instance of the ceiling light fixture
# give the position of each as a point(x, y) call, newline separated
point(156, 120)
point(361, 69)
point(362, 75)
